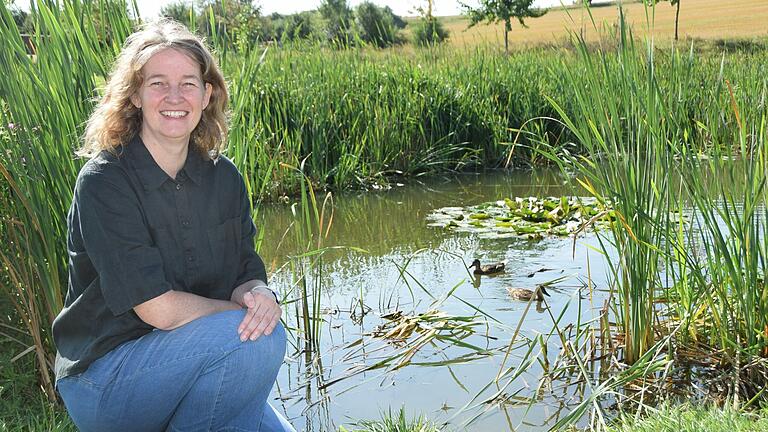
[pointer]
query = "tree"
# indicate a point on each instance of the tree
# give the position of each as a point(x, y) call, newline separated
point(375, 25)
point(398, 21)
point(179, 11)
point(502, 10)
point(428, 30)
point(236, 22)
point(293, 27)
point(338, 19)
point(677, 12)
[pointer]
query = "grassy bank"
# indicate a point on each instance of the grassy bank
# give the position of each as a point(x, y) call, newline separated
point(680, 418)
point(360, 116)
point(686, 418)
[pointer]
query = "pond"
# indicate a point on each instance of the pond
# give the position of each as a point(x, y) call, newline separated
point(402, 264)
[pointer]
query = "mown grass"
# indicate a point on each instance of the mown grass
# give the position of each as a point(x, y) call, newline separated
point(668, 418)
point(693, 418)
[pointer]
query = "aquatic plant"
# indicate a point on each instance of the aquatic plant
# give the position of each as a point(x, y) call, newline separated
point(530, 217)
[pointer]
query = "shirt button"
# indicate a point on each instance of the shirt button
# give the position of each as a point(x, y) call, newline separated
point(178, 186)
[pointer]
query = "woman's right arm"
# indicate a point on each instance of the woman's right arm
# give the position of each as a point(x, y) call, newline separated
point(173, 309)
point(124, 255)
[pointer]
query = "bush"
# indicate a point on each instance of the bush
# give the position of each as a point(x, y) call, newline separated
point(302, 25)
point(337, 18)
point(375, 25)
point(429, 31)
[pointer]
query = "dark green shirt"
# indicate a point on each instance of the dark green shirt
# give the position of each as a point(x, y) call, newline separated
point(135, 233)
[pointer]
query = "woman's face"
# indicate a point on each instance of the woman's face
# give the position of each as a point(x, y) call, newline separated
point(171, 98)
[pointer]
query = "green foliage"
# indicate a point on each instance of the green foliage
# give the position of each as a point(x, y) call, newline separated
point(180, 11)
point(502, 11)
point(637, 121)
point(397, 20)
point(530, 217)
point(42, 111)
point(23, 408)
point(429, 31)
point(21, 18)
point(302, 25)
point(632, 168)
point(688, 418)
point(338, 21)
point(233, 22)
point(375, 26)
point(393, 423)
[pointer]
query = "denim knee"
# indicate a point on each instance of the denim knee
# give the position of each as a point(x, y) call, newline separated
point(268, 349)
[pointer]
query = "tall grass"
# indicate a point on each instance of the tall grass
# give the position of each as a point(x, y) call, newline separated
point(729, 259)
point(621, 119)
point(653, 151)
point(45, 99)
point(359, 116)
point(352, 117)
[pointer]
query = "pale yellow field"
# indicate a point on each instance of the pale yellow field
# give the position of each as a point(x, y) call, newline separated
point(708, 19)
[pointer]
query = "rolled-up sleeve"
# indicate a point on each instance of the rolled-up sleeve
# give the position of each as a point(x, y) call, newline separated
point(251, 265)
point(118, 242)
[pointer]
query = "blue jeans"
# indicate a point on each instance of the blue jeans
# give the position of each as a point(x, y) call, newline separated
point(198, 377)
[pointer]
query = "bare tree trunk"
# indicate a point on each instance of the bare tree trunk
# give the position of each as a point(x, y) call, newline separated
point(677, 16)
point(507, 28)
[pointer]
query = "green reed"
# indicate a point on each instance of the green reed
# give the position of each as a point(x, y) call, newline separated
point(729, 258)
point(356, 117)
point(44, 101)
point(621, 119)
point(653, 146)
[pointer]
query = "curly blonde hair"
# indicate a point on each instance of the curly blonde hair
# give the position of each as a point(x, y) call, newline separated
point(116, 120)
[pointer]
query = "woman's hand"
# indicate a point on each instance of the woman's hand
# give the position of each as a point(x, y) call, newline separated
point(262, 315)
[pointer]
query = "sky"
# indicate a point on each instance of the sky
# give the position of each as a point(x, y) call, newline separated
point(151, 8)
point(399, 7)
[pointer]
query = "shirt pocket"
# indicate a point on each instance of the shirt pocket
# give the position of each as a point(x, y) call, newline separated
point(224, 240)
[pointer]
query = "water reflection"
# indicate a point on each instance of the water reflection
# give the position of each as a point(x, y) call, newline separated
point(411, 267)
point(382, 221)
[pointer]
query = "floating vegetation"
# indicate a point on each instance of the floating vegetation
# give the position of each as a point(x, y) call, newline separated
point(531, 217)
point(398, 327)
point(408, 334)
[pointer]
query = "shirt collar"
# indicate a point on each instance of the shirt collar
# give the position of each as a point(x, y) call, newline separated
point(149, 172)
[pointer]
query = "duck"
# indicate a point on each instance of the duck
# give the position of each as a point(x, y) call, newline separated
point(526, 294)
point(487, 269)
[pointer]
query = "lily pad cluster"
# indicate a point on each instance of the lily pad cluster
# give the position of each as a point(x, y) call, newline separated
point(531, 217)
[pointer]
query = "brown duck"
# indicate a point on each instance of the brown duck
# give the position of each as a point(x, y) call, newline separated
point(487, 269)
point(526, 294)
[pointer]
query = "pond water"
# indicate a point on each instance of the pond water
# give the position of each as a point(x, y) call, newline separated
point(411, 267)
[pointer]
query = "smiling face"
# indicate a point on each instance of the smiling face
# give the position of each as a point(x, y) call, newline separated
point(171, 97)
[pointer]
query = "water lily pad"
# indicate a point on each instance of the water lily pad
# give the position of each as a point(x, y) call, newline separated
point(527, 217)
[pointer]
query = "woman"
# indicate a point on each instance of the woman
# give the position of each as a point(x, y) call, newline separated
point(168, 323)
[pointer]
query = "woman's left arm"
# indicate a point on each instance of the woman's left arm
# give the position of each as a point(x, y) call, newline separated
point(263, 312)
